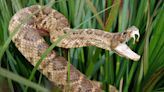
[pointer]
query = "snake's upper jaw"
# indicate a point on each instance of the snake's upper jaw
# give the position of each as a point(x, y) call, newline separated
point(133, 32)
point(125, 51)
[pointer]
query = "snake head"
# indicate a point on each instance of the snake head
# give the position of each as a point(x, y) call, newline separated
point(122, 49)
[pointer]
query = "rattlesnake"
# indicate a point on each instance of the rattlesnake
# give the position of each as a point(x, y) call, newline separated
point(48, 21)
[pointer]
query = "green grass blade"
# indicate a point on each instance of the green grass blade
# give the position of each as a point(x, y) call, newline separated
point(112, 15)
point(93, 9)
point(10, 75)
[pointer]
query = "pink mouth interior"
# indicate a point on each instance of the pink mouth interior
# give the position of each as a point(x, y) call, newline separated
point(125, 51)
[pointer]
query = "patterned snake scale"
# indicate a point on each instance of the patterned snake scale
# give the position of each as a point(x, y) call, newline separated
point(49, 22)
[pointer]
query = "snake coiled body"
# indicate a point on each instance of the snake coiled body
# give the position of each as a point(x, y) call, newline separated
point(49, 22)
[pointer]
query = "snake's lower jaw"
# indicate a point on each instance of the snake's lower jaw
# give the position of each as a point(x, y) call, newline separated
point(124, 51)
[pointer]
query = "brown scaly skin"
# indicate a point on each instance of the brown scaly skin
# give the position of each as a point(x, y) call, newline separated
point(47, 21)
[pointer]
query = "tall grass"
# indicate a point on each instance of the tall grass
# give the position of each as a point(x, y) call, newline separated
point(146, 75)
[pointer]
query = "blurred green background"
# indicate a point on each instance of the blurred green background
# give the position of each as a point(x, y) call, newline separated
point(146, 75)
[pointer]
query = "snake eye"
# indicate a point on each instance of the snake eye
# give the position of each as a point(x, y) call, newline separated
point(124, 33)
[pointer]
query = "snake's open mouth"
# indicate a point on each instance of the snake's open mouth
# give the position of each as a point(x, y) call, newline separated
point(125, 51)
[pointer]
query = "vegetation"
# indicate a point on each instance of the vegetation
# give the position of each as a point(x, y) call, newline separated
point(146, 75)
